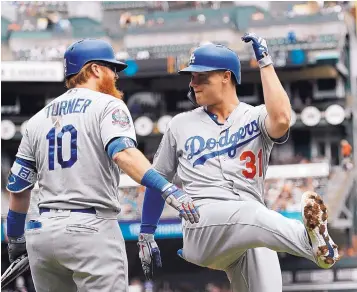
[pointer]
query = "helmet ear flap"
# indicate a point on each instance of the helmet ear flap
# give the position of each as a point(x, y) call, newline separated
point(192, 97)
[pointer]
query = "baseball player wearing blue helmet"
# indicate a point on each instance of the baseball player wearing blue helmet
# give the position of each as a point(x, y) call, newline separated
point(220, 151)
point(75, 148)
point(82, 52)
point(210, 58)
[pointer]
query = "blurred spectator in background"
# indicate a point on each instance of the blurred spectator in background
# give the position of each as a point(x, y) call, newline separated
point(136, 285)
point(131, 200)
point(285, 199)
point(346, 153)
point(20, 284)
point(291, 37)
point(285, 195)
point(211, 287)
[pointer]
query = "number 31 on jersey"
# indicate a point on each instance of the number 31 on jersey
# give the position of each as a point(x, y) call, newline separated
point(252, 166)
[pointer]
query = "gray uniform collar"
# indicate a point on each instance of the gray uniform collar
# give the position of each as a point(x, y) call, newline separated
point(205, 117)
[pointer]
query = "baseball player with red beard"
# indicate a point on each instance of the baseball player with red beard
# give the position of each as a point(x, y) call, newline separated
point(75, 148)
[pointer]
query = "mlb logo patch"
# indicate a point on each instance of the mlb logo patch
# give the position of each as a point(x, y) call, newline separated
point(119, 117)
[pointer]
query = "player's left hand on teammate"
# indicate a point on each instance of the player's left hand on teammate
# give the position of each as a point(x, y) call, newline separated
point(149, 254)
point(16, 247)
point(260, 48)
point(182, 202)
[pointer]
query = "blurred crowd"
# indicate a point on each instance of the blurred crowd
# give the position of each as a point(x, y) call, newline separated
point(134, 19)
point(39, 16)
point(119, 18)
point(53, 15)
point(285, 195)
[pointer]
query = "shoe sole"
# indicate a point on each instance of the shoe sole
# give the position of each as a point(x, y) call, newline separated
point(314, 214)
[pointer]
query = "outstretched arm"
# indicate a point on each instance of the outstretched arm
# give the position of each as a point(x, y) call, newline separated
point(136, 165)
point(119, 140)
point(276, 100)
point(277, 103)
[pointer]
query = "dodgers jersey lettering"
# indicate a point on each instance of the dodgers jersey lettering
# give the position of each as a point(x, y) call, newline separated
point(224, 162)
point(67, 140)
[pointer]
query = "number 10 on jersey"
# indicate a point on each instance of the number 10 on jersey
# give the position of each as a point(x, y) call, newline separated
point(251, 164)
point(51, 137)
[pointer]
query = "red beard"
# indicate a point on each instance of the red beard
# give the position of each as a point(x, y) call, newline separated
point(107, 86)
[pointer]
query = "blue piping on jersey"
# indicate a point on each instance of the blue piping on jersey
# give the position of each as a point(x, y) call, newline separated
point(230, 150)
point(214, 118)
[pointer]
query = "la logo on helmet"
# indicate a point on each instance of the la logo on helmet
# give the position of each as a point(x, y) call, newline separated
point(65, 66)
point(192, 59)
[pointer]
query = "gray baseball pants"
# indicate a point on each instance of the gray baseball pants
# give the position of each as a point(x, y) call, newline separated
point(242, 238)
point(77, 252)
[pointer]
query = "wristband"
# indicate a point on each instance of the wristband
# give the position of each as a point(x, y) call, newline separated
point(266, 61)
point(15, 224)
point(154, 180)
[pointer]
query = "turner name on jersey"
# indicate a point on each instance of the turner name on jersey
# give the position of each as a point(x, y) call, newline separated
point(65, 107)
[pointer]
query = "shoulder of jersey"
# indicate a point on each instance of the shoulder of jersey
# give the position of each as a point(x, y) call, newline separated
point(88, 94)
point(251, 108)
point(99, 97)
point(106, 98)
point(34, 121)
point(185, 116)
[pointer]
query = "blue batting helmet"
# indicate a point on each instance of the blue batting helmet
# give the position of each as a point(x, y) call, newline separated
point(87, 50)
point(212, 57)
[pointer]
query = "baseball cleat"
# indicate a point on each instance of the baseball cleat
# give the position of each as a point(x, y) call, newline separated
point(314, 214)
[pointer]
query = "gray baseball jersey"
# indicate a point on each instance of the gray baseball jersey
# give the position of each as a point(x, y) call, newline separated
point(224, 162)
point(223, 168)
point(67, 140)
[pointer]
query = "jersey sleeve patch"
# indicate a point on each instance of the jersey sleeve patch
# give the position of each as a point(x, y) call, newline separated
point(116, 121)
point(120, 118)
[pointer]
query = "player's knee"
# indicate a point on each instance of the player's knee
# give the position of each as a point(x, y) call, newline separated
point(257, 215)
point(252, 213)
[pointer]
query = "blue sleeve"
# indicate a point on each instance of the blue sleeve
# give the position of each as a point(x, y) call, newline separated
point(119, 144)
point(152, 209)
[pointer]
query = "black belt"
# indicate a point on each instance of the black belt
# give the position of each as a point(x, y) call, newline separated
point(88, 210)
